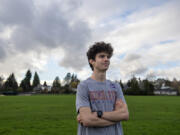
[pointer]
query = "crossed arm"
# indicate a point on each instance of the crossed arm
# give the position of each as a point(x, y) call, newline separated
point(90, 119)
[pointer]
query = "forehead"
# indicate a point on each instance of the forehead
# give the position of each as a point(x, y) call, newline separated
point(102, 53)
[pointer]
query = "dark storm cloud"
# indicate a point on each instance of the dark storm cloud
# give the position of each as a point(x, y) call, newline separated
point(139, 70)
point(49, 27)
point(2, 51)
point(16, 12)
point(132, 57)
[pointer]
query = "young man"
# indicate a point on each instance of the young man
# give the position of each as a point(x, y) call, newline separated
point(99, 102)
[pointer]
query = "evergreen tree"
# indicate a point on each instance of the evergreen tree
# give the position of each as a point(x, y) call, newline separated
point(11, 83)
point(76, 78)
point(56, 85)
point(151, 91)
point(167, 83)
point(129, 83)
point(121, 84)
point(176, 85)
point(72, 78)
point(146, 87)
point(56, 82)
point(68, 78)
point(134, 88)
point(1, 82)
point(45, 84)
point(26, 82)
point(36, 80)
point(22, 85)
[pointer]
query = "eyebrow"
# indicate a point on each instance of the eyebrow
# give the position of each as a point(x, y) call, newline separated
point(105, 55)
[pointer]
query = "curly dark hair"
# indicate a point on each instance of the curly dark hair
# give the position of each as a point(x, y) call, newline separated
point(99, 47)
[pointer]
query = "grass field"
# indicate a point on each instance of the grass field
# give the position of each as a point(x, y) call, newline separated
point(55, 115)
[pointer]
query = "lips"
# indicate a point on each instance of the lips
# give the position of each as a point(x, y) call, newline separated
point(106, 64)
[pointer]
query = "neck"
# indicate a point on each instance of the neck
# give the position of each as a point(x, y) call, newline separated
point(98, 76)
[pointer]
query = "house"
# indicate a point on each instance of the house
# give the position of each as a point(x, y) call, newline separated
point(165, 90)
point(40, 88)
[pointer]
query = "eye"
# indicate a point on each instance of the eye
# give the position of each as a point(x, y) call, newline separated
point(102, 56)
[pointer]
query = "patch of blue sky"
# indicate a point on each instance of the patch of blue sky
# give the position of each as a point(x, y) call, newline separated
point(168, 65)
point(118, 16)
point(144, 47)
point(167, 41)
point(121, 56)
point(156, 2)
point(132, 9)
point(127, 13)
point(53, 69)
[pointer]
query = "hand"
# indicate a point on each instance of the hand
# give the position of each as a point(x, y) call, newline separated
point(94, 113)
point(79, 118)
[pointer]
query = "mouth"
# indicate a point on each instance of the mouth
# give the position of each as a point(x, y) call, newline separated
point(106, 64)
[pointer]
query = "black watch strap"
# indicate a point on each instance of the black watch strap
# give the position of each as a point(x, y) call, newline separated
point(99, 114)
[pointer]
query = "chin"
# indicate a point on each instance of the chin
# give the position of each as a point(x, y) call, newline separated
point(105, 69)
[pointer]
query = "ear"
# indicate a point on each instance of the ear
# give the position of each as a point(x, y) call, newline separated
point(91, 61)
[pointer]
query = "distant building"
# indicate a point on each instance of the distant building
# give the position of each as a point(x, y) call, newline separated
point(48, 88)
point(40, 88)
point(165, 90)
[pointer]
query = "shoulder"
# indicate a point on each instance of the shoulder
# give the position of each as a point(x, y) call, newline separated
point(113, 84)
point(84, 83)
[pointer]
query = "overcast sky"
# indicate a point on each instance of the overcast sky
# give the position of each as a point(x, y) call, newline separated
point(52, 37)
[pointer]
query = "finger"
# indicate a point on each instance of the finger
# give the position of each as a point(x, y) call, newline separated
point(78, 120)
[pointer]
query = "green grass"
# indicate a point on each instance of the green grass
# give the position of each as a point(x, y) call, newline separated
point(153, 115)
point(55, 115)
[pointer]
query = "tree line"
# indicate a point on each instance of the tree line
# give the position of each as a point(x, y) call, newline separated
point(10, 85)
point(134, 86)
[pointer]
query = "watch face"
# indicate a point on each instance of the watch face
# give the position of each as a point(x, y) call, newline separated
point(99, 113)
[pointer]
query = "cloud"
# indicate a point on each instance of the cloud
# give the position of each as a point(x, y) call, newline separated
point(146, 33)
point(19, 64)
point(169, 73)
point(2, 50)
point(132, 57)
point(98, 12)
point(40, 28)
point(16, 12)
point(139, 37)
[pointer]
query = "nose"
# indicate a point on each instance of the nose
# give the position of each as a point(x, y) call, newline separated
point(106, 58)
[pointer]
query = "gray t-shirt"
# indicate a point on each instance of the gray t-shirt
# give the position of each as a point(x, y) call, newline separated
point(99, 96)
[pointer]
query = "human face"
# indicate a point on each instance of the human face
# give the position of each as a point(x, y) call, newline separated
point(101, 62)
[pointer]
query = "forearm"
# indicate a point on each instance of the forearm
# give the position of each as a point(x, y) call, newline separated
point(98, 122)
point(91, 120)
point(116, 115)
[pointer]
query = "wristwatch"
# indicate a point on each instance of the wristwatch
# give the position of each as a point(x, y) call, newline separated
point(99, 114)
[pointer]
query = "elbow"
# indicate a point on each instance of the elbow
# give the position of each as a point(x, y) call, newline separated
point(126, 117)
point(87, 122)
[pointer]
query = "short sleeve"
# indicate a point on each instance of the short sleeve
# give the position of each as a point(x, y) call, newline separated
point(82, 97)
point(120, 93)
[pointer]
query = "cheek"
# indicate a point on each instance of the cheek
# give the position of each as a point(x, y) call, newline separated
point(98, 63)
